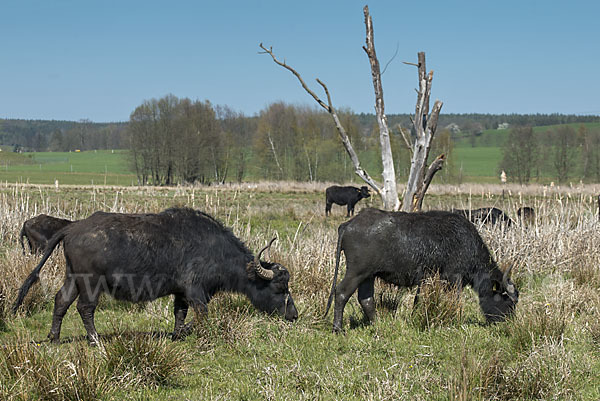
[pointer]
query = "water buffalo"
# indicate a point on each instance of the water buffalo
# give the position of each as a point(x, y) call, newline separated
point(38, 231)
point(344, 196)
point(486, 215)
point(526, 214)
point(141, 257)
point(404, 248)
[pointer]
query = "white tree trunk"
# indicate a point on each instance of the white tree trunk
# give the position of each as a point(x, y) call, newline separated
point(425, 126)
point(389, 193)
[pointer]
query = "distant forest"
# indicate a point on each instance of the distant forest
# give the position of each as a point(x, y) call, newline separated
point(173, 140)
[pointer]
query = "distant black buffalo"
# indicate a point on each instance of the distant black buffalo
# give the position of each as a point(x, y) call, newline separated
point(344, 196)
point(38, 230)
point(141, 257)
point(404, 248)
point(526, 214)
point(486, 215)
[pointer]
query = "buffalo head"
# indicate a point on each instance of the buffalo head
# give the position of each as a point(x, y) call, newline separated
point(364, 192)
point(500, 299)
point(271, 293)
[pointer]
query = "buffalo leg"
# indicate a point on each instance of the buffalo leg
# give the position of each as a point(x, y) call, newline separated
point(63, 299)
point(86, 306)
point(349, 209)
point(366, 290)
point(198, 300)
point(343, 293)
point(180, 307)
point(327, 209)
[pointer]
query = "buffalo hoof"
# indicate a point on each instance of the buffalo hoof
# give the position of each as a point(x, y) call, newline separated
point(183, 332)
point(54, 339)
point(93, 341)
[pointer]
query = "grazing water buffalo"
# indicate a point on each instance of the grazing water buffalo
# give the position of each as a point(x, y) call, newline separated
point(344, 196)
point(486, 215)
point(141, 257)
point(38, 230)
point(404, 248)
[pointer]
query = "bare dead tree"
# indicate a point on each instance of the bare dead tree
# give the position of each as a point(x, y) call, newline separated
point(425, 125)
point(331, 110)
point(389, 194)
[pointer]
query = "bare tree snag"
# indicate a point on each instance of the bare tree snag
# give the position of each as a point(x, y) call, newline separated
point(338, 124)
point(425, 125)
point(389, 194)
point(434, 167)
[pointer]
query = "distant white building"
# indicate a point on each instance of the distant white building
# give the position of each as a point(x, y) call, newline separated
point(453, 128)
point(503, 125)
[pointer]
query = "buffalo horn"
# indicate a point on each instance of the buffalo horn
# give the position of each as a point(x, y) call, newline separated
point(510, 288)
point(261, 272)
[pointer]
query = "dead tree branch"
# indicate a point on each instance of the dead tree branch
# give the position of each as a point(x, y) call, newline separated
point(425, 125)
point(434, 167)
point(406, 138)
point(390, 192)
point(331, 110)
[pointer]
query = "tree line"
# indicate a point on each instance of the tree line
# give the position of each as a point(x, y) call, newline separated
point(173, 140)
point(565, 153)
point(176, 140)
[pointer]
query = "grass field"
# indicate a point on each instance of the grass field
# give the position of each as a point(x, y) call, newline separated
point(112, 168)
point(497, 137)
point(83, 168)
point(478, 164)
point(549, 350)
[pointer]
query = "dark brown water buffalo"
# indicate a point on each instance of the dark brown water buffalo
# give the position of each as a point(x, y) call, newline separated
point(141, 257)
point(404, 248)
point(526, 215)
point(38, 230)
point(344, 196)
point(486, 215)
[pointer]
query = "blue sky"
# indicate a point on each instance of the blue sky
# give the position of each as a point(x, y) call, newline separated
point(99, 60)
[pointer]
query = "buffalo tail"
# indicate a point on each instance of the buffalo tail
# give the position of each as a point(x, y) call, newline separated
point(335, 274)
point(34, 276)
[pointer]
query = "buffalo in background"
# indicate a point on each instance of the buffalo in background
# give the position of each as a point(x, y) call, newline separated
point(526, 215)
point(344, 196)
point(141, 257)
point(486, 215)
point(38, 230)
point(404, 248)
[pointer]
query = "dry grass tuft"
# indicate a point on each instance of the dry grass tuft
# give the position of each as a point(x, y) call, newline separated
point(439, 305)
point(134, 359)
point(41, 372)
point(536, 323)
point(545, 373)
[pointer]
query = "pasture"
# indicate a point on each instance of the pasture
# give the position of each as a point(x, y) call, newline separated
point(101, 167)
point(549, 349)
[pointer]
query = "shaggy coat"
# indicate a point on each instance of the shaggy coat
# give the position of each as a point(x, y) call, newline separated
point(404, 248)
point(141, 257)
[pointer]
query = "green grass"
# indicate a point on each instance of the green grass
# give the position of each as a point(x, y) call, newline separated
point(480, 163)
point(549, 350)
point(497, 137)
point(98, 167)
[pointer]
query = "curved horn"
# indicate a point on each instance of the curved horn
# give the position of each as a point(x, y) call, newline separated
point(509, 287)
point(261, 272)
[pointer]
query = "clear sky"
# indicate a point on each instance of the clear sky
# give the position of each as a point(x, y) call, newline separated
point(99, 60)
